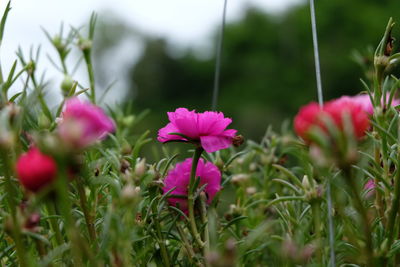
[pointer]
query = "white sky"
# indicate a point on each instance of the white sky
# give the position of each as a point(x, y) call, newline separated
point(187, 22)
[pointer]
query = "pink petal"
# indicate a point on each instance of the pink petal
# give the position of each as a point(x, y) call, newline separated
point(212, 123)
point(164, 133)
point(214, 143)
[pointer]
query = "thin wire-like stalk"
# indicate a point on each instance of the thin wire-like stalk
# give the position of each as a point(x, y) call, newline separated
point(218, 59)
point(321, 102)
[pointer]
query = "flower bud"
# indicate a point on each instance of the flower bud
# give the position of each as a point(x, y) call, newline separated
point(128, 121)
point(140, 168)
point(306, 183)
point(43, 121)
point(85, 44)
point(66, 85)
point(130, 192)
point(240, 178)
point(251, 190)
point(36, 170)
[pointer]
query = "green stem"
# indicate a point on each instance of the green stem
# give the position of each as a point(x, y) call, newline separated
point(53, 222)
point(86, 211)
point(378, 195)
point(64, 204)
point(192, 220)
point(395, 204)
point(12, 204)
point(161, 240)
point(317, 226)
point(189, 250)
point(89, 65)
point(204, 220)
point(364, 218)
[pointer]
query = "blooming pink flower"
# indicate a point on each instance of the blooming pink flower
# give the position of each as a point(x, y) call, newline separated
point(36, 170)
point(365, 101)
point(179, 178)
point(208, 128)
point(312, 116)
point(83, 123)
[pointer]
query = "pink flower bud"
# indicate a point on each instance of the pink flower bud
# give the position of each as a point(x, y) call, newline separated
point(36, 170)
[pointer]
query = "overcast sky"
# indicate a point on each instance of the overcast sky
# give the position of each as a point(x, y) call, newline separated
point(181, 21)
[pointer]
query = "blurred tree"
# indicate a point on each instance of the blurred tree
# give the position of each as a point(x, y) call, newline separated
point(267, 64)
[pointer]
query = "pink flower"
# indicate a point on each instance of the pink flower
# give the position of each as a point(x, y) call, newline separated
point(312, 116)
point(36, 170)
point(365, 101)
point(208, 128)
point(83, 123)
point(179, 178)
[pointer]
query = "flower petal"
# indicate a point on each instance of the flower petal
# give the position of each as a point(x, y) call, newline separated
point(213, 143)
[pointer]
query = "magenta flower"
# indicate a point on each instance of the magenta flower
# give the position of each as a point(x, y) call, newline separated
point(179, 178)
point(208, 128)
point(83, 123)
point(365, 101)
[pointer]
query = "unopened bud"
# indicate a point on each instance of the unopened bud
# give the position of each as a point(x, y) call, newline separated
point(238, 140)
point(128, 120)
point(66, 85)
point(85, 44)
point(130, 192)
point(240, 178)
point(140, 168)
point(251, 190)
point(305, 182)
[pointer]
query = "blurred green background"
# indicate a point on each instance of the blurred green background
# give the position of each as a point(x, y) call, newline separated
point(267, 63)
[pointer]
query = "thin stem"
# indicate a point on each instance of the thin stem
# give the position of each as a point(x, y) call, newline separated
point(192, 220)
point(12, 205)
point(161, 240)
point(86, 212)
point(395, 204)
point(315, 205)
point(364, 218)
point(89, 65)
point(65, 209)
point(204, 221)
point(188, 247)
point(52, 211)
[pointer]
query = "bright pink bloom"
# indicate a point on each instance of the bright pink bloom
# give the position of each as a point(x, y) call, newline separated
point(208, 128)
point(36, 170)
point(365, 101)
point(83, 123)
point(179, 178)
point(312, 116)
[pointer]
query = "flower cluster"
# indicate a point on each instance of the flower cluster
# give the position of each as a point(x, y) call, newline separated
point(81, 125)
